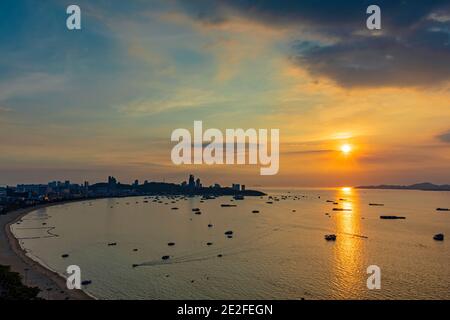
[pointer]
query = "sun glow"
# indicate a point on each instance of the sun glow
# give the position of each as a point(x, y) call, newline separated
point(346, 148)
point(346, 190)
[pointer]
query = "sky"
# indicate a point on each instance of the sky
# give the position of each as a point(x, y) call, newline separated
point(104, 100)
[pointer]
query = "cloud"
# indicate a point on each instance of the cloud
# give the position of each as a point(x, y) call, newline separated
point(412, 49)
point(173, 101)
point(30, 84)
point(379, 61)
point(445, 137)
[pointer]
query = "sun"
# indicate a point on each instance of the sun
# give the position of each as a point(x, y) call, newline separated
point(346, 148)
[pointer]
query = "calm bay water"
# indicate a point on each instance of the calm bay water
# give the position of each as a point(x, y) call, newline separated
point(277, 253)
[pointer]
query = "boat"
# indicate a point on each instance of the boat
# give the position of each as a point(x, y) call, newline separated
point(439, 237)
point(330, 237)
point(392, 217)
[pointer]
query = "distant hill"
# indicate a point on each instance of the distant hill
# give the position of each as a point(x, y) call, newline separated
point(425, 186)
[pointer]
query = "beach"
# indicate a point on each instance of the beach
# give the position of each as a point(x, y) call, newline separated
point(52, 285)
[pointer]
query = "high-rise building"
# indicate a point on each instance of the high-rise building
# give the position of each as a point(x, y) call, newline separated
point(112, 181)
point(191, 181)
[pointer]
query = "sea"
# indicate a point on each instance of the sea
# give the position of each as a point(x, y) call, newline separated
point(269, 247)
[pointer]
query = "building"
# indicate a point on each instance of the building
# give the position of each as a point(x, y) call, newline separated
point(191, 181)
point(2, 194)
point(33, 190)
point(112, 181)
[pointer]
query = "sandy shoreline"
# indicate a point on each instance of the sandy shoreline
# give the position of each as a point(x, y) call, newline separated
point(52, 285)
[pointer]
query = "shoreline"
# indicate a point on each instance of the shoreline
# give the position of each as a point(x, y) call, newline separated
point(52, 285)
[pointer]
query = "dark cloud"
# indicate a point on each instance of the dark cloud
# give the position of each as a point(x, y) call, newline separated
point(326, 13)
point(413, 48)
point(445, 137)
point(379, 61)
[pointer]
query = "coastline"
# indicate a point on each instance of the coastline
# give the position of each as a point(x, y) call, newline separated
point(52, 285)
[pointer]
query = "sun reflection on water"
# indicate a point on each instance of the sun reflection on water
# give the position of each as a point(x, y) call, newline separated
point(348, 269)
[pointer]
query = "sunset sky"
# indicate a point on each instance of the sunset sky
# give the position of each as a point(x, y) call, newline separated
point(82, 105)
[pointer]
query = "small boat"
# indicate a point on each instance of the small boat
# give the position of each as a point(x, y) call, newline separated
point(112, 244)
point(65, 255)
point(255, 211)
point(442, 209)
point(341, 209)
point(228, 233)
point(392, 217)
point(210, 225)
point(170, 244)
point(376, 204)
point(195, 209)
point(330, 237)
point(228, 205)
point(86, 282)
point(209, 244)
point(439, 237)
point(165, 257)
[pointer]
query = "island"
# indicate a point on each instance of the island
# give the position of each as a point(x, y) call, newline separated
point(425, 186)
